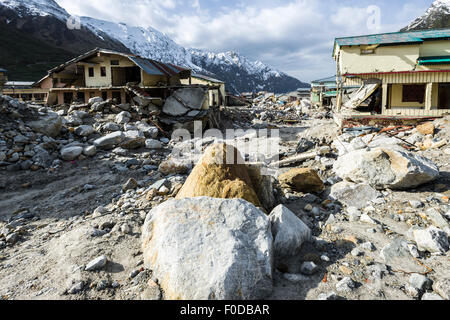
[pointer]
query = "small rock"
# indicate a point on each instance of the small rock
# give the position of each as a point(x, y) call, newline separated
point(368, 246)
point(346, 285)
point(102, 285)
point(329, 296)
point(96, 264)
point(76, 288)
point(442, 287)
point(12, 238)
point(416, 204)
point(125, 228)
point(356, 252)
point(71, 153)
point(431, 296)
point(308, 268)
point(90, 151)
point(420, 282)
point(131, 184)
point(366, 219)
point(295, 277)
point(432, 239)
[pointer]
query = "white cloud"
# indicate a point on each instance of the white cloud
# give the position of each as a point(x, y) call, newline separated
point(295, 36)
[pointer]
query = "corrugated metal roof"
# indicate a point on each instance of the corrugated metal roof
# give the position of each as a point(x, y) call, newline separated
point(151, 67)
point(324, 80)
point(393, 38)
point(201, 76)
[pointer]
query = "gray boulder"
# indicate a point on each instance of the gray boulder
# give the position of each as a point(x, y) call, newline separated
point(432, 240)
point(353, 195)
point(71, 153)
point(386, 168)
point(133, 140)
point(289, 232)
point(397, 255)
point(84, 131)
point(206, 248)
point(110, 140)
point(123, 117)
point(49, 125)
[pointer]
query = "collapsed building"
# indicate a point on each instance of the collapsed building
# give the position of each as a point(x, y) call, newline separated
point(160, 88)
point(403, 76)
point(324, 91)
point(25, 91)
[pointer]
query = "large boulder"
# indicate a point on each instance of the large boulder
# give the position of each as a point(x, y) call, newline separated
point(302, 180)
point(49, 125)
point(289, 232)
point(220, 173)
point(386, 168)
point(183, 100)
point(353, 195)
point(205, 248)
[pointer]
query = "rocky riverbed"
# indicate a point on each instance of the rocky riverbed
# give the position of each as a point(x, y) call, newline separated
point(97, 202)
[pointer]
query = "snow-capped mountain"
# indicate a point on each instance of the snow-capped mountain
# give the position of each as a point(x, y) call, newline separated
point(146, 42)
point(437, 16)
point(243, 75)
point(45, 21)
point(238, 72)
point(36, 8)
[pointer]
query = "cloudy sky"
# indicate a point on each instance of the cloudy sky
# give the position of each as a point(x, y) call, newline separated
point(295, 36)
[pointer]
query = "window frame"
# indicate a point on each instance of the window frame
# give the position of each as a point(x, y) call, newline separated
point(414, 95)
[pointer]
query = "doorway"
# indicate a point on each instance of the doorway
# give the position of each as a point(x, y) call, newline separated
point(444, 96)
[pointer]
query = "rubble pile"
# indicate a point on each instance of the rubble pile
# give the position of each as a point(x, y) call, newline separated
point(361, 213)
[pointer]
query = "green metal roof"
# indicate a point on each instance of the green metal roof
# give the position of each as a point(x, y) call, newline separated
point(395, 37)
point(330, 94)
point(325, 80)
point(434, 60)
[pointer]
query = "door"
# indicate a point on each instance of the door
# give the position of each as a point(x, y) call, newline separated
point(444, 96)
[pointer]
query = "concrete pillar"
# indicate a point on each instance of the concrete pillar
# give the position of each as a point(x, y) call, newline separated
point(384, 101)
point(123, 96)
point(60, 97)
point(428, 96)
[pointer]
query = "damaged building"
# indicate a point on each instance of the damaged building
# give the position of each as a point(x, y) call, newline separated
point(403, 76)
point(324, 91)
point(166, 90)
point(26, 91)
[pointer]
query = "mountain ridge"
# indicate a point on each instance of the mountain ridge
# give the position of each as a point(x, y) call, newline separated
point(44, 20)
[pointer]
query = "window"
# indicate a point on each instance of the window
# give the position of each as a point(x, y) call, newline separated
point(414, 93)
point(367, 51)
point(104, 95)
point(114, 62)
point(103, 71)
point(117, 96)
point(91, 72)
